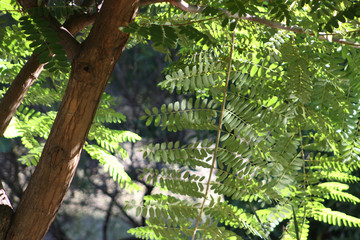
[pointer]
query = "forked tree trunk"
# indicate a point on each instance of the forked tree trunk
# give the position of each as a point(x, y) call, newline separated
point(91, 70)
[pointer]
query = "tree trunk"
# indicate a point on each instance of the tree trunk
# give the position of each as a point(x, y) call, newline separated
point(91, 70)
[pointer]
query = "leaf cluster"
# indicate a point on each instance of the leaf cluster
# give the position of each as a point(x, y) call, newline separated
point(44, 41)
point(283, 124)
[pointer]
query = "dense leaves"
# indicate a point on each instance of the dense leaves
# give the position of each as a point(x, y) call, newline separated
point(282, 111)
point(273, 84)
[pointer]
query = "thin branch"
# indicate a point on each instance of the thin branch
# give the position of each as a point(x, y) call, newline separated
point(75, 23)
point(295, 29)
point(258, 219)
point(67, 40)
point(214, 157)
point(296, 224)
point(184, 6)
point(113, 196)
point(32, 69)
point(107, 218)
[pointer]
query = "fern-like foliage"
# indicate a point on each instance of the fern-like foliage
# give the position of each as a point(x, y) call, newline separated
point(104, 144)
point(280, 112)
point(283, 127)
point(34, 118)
point(113, 166)
point(44, 40)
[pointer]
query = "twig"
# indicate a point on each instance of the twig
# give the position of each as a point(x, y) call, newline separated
point(218, 133)
point(107, 218)
point(184, 6)
point(295, 29)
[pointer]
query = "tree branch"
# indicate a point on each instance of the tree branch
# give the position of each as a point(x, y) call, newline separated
point(67, 40)
point(75, 23)
point(107, 218)
point(295, 29)
point(113, 197)
point(184, 6)
point(32, 69)
point(17, 90)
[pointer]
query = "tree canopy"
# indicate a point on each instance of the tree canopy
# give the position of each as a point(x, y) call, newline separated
point(269, 93)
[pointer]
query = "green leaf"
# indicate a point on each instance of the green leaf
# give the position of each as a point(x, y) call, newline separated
point(253, 71)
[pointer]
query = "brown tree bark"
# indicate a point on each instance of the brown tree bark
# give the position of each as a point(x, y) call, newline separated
point(22, 82)
point(91, 69)
point(18, 90)
point(32, 69)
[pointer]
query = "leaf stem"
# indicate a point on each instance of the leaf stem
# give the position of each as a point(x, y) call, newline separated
point(295, 224)
point(218, 133)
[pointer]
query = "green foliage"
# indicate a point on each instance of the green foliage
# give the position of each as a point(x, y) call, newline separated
point(34, 118)
point(113, 166)
point(44, 41)
point(280, 111)
point(104, 144)
point(282, 120)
